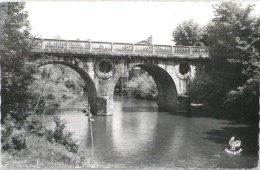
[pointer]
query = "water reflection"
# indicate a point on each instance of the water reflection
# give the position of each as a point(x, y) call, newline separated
point(131, 133)
point(138, 136)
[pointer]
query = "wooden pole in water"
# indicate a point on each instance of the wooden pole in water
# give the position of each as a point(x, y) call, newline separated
point(88, 113)
point(92, 141)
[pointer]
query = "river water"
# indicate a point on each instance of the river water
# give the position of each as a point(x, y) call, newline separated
point(138, 136)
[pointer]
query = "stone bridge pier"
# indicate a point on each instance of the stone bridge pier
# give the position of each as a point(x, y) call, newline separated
point(171, 77)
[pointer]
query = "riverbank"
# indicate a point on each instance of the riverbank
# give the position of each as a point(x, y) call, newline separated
point(39, 153)
point(33, 145)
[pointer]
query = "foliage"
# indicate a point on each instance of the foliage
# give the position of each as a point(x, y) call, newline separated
point(229, 36)
point(205, 86)
point(243, 100)
point(12, 136)
point(59, 135)
point(187, 33)
point(233, 38)
point(16, 70)
point(22, 85)
point(62, 136)
point(31, 144)
point(143, 86)
point(41, 153)
point(35, 126)
point(51, 88)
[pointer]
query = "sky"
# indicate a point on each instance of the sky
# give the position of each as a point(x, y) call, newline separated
point(128, 22)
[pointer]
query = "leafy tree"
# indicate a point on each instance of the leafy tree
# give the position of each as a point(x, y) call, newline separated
point(15, 51)
point(230, 32)
point(187, 33)
point(233, 38)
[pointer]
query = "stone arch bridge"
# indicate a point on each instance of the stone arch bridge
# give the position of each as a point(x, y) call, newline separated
point(101, 64)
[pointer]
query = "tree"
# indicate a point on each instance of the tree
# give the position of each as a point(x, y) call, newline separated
point(230, 32)
point(187, 33)
point(15, 52)
point(233, 38)
point(237, 34)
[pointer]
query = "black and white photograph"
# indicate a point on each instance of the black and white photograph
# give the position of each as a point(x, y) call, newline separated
point(130, 84)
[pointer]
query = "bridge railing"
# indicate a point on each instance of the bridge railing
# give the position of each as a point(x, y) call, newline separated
point(77, 47)
point(125, 48)
point(163, 49)
point(84, 47)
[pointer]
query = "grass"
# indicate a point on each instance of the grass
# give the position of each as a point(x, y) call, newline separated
point(39, 153)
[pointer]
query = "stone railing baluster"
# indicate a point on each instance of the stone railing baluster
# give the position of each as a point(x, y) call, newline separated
point(90, 46)
point(122, 48)
point(67, 46)
point(163, 49)
point(43, 46)
point(112, 47)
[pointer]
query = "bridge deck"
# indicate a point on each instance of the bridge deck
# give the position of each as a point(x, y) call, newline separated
point(88, 47)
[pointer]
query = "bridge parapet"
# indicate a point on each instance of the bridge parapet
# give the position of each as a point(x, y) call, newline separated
point(86, 47)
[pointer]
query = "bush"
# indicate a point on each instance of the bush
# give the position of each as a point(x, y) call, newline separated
point(243, 102)
point(41, 153)
point(33, 145)
point(62, 136)
point(58, 135)
point(12, 137)
point(208, 86)
point(35, 126)
point(143, 86)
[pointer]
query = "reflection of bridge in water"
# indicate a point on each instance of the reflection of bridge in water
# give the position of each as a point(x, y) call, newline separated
point(101, 64)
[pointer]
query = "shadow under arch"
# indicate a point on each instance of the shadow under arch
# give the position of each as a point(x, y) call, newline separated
point(167, 91)
point(89, 88)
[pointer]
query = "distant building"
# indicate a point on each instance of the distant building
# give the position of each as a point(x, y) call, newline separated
point(148, 41)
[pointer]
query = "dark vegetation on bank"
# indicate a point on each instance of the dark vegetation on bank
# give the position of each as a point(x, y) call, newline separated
point(228, 83)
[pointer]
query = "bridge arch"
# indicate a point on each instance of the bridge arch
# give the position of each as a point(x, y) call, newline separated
point(89, 89)
point(167, 91)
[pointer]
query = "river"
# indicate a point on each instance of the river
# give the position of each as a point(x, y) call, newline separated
point(138, 136)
